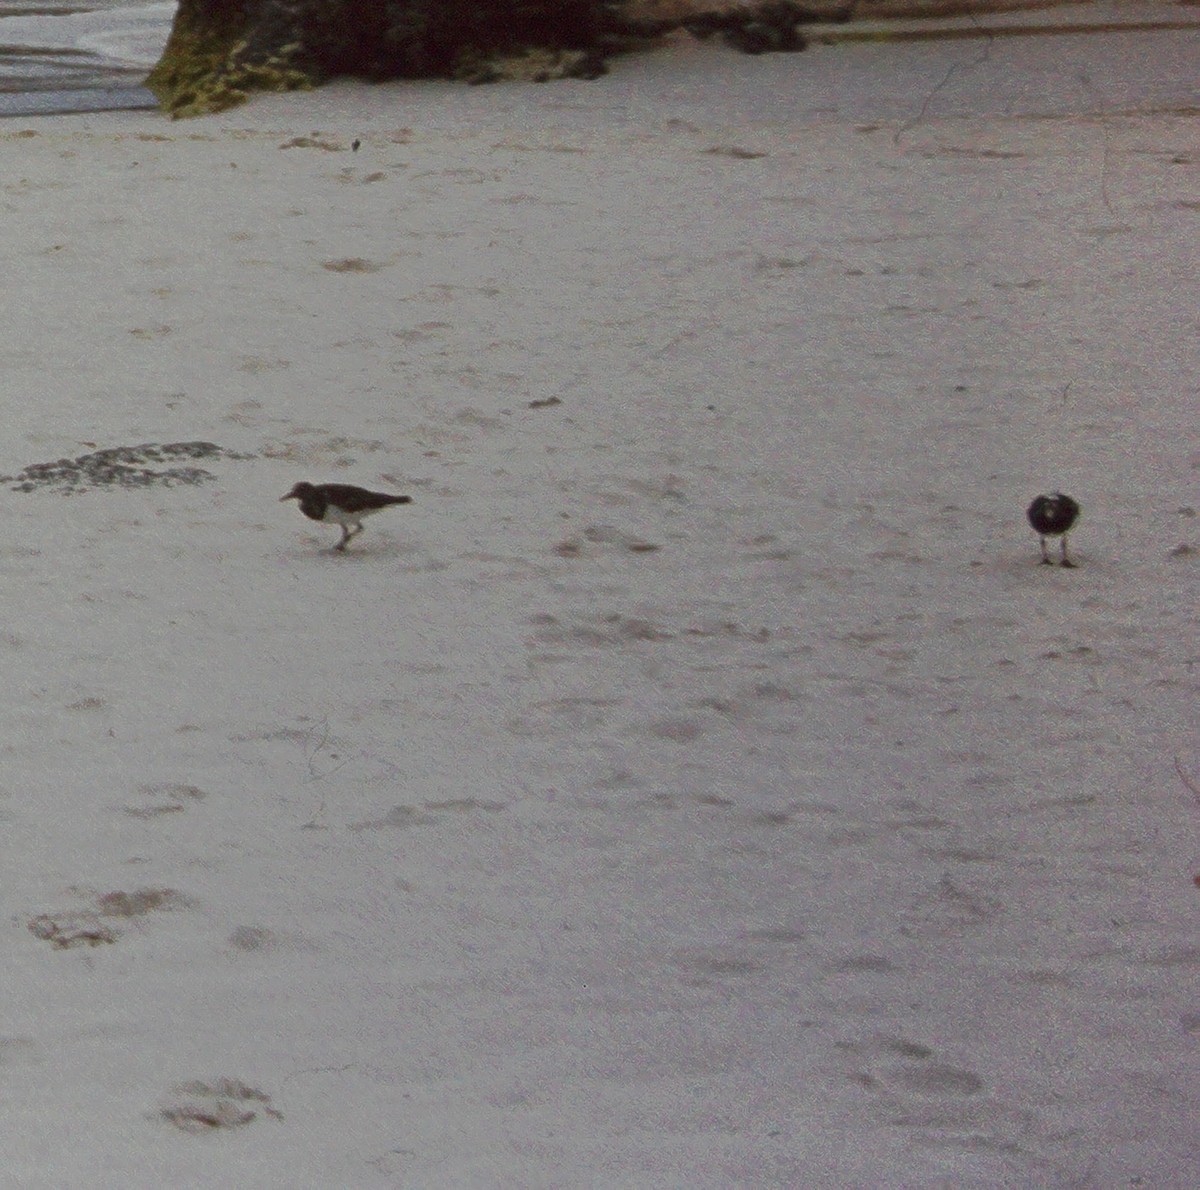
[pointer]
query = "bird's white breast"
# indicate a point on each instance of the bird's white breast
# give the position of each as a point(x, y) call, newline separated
point(341, 517)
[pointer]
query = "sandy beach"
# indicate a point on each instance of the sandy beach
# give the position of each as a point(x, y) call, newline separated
point(700, 784)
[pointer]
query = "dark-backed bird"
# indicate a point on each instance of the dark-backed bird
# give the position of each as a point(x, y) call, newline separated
point(1053, 516)
point(341, 504)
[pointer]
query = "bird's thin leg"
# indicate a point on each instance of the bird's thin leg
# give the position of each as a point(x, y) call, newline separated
point(1065, 560)
point(1045, 553)
point(341, 545)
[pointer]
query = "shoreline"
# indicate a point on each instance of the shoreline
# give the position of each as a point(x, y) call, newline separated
point(67, 101)
point(879, 22)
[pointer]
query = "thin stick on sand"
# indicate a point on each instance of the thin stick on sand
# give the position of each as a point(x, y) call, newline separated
point(1187, 780)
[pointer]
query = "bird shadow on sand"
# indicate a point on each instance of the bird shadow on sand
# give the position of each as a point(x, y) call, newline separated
point(1014, 565)
point(378, 549)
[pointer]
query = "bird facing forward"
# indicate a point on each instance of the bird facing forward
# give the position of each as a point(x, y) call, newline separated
point(342, 504)
point(1053, 516)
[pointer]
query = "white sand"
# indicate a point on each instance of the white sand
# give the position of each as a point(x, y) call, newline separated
point(830, 842)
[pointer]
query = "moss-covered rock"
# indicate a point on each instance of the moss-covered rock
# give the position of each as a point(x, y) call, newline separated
point(208, 63)
point(529, 65)
point(221, 49)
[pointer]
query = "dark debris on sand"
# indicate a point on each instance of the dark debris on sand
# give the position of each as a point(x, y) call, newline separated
point(123, 467)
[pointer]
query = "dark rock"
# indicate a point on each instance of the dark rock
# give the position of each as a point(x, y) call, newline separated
point(220, 49)
point(770, 26)
point(761, 37)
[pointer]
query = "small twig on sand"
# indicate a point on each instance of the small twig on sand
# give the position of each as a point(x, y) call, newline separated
point(1188, 782)
point(312, 751)
point(955, 67)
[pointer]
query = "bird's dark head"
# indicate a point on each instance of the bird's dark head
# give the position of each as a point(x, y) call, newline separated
point(298, 492)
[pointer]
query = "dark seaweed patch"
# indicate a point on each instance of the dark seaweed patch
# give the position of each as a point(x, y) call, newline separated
point(142, 466)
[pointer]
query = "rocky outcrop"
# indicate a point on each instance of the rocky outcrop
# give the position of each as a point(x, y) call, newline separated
point(221, 49)
point(752, 26)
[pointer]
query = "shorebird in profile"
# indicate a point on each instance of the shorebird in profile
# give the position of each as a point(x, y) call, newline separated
point(1053, 516)
point(342, 504)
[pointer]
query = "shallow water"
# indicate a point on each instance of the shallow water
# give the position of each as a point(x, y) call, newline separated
point(64, 56)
